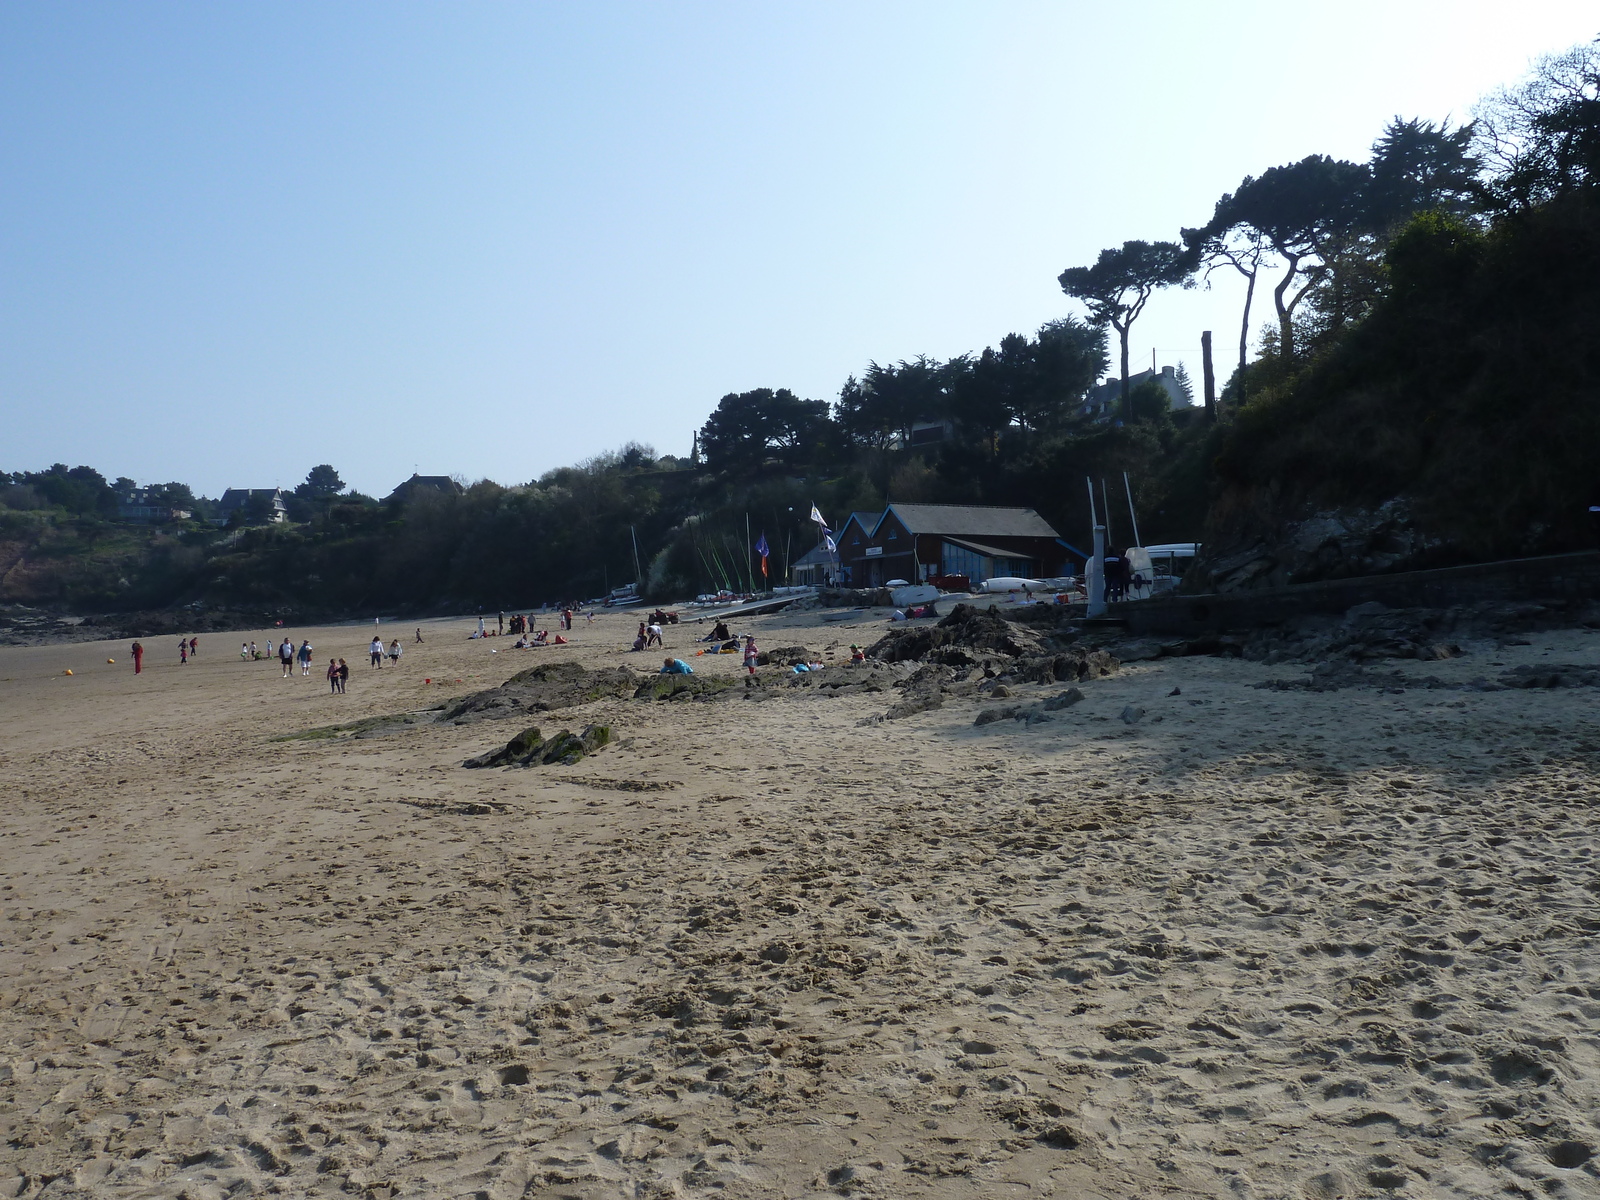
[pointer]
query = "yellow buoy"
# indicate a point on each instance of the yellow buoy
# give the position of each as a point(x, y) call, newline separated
point(69, 671)
point(112, 661)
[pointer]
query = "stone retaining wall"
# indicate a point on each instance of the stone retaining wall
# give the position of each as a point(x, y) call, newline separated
point(1554, 576)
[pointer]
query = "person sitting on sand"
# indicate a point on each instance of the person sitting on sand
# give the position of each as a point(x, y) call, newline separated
point(720, 633)
point(675, 666)
point(857, 654)
point(638, 642)
point(542, 638)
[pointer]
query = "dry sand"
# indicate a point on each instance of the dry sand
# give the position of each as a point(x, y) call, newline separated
point(1260, 944)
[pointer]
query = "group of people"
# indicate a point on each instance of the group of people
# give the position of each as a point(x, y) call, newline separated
point(378, 652)
point(338, 675)
point(187, 649)
point(649, 635)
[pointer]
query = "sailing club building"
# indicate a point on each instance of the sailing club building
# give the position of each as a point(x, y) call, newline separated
point(917, 542)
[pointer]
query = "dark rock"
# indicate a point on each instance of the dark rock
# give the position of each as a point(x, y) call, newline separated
point(786, 656)
point(544, 688)
point(1552, 675)
point(685, 687)
point(1132, 715)
point(530, 749)
point(1062, 700)
point(1138, 650)
point(529, 741)
point(911, 705)
point(966, 628)
point(990, 715)
point(1072, 665)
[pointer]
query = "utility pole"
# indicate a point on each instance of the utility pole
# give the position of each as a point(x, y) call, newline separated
point(1210, 375)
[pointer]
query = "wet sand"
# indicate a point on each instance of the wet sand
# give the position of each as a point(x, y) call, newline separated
point(1258, 944)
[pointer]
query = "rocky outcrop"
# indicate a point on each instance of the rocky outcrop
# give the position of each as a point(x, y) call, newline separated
point(1332, 544)
point(544, 688)
point(530, 748)
point(960, 639)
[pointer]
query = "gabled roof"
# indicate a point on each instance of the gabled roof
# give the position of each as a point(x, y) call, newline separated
point(816, 556)
point(436, 483)
point(236, 497)
point(969, 520)
point(867, 520)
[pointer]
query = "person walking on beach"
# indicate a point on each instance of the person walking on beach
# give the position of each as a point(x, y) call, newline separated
point(183, 650)
point(750, 653)
point(566, 619)
point(305, 658)
point(194, 647)
point(138, 658)
point(344, 675)
point(333, 676)
point(244, 651)
point(419, 635)
point(376, 650)
point(286, 656)
point(394, 653)
point(502, 625)
point(254, 654)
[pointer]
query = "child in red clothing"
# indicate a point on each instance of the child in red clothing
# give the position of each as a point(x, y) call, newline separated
point(750, 653)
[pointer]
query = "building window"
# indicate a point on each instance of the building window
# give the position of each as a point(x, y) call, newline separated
point(958, 560)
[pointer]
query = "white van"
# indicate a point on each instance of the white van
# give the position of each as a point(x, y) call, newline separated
point(1161, 567)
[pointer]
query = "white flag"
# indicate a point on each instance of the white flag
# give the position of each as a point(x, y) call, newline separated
point(832, 549)
point(817, 517)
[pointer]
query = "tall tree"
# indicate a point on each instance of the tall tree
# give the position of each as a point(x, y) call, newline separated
point(1244, 249)
point(1306, 211)
point(1059, 366)
point(1417, 165)
point(322, 483)
point(1119, 285)
point(748, 427)
point(1541, 139)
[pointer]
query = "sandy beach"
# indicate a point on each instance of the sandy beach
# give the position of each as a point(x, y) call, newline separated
point(1255, 944)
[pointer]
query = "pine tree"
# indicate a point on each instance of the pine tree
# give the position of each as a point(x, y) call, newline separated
point(1184, 384)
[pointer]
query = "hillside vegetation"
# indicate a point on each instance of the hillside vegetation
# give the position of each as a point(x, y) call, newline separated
point(1427, 391)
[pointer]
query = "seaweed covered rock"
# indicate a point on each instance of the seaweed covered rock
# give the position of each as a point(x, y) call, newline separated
point(954, 639)
point(684, 687)
point(544, 688)
point(786, 656)
point(529, 748)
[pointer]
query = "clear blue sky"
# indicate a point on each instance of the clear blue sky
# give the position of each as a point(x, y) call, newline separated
point(489, 239)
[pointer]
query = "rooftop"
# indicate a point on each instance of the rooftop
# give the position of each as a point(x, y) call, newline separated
point(972, 520)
